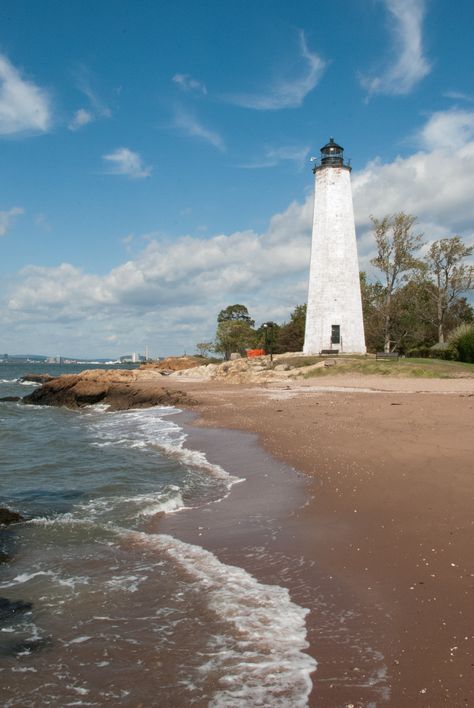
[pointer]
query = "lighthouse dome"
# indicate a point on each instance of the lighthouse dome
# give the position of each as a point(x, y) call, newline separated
point(332, 155)
point(331, 148)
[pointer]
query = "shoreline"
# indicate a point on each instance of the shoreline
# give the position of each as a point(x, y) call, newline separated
point(260, 526)
point(386, 520)
point(379, 542)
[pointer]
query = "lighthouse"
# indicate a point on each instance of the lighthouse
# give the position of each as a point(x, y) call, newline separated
point(334, 319)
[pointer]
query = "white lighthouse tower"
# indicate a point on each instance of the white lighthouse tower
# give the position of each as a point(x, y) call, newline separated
point(334, 315)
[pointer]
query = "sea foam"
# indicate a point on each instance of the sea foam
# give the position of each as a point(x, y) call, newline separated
point(262, 662)
point(152, 428)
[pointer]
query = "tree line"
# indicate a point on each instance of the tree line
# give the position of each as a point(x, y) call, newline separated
point(418, 300)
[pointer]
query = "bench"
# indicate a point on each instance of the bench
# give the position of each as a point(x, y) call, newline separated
point(392, 356)
point(329, 352)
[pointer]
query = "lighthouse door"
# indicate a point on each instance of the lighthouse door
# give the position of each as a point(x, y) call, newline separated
point(335, 334)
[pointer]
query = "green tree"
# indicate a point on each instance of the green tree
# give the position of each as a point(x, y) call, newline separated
point(235, 331)
point(237, 313)
point(412, 317)
point(204, 348)
point(460, 312)
point(373, 300)
point(289, 337)
point(396, 248)
point(450, 277)
point(263, 335)
point(413, 314)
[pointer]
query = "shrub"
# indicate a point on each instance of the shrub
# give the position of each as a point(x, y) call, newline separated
point(454, 335)
point(462, 340)
point(465, 347)
point(446, 354)
point(439, 351)
point(419, 352)
point(443, 351)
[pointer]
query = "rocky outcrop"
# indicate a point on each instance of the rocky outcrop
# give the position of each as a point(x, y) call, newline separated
point(37, 378)
point(173, 363)
point(260, 369)
point(119, 389)
point(9, 399)
point(9, 609)
point(8, 517)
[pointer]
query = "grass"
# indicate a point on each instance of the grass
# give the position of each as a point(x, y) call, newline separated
point(412, 368)
point(296, 362)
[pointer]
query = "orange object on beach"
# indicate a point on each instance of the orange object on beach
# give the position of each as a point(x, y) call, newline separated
point(255, 352)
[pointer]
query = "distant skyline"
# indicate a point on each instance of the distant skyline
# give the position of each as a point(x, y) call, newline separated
point(155, 157)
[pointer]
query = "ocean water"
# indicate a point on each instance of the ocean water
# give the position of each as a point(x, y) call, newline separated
point(115, 614)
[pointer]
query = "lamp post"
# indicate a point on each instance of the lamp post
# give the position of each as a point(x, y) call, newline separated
point(268, 327)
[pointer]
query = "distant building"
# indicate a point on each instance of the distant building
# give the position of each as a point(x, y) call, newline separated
point(132, 358)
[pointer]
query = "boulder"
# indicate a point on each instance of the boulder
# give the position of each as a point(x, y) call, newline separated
point(6, 399)
point(120, 390)
point(174, 363)
point(36, 378)
point(9, 609)
point(8, 517)
point(330, 362)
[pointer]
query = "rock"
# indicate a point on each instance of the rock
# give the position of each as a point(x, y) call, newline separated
point(174, 363)
point(8, 517)
point(118, 389)
point(4, 557)
point(5, 399)
point(9, 609)
point(330, 362)
point(37, 378)
point(28, 646)
point(282, 367)
point(25, 646)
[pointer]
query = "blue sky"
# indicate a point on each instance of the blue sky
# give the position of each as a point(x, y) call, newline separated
point(155, 156)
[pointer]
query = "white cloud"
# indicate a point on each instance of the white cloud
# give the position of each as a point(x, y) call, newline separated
point(173, 288)
point(54, 287)
point(24, 107)
point(288, 92)
point(189, 125)
point(124, 161)
point(168, 296)
point(6, 219)
point(409, 64)
point(447, 129)
point(187, 83)
point(97, 108)
point(84, 82)
point(458, 96)
point(80, 119)
point(285, 153)
point(434, 184)
point(41, 220)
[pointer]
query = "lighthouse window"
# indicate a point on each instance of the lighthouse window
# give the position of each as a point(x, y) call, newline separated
point(335, 334)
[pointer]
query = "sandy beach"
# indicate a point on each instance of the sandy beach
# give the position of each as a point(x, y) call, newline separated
point(368, 523)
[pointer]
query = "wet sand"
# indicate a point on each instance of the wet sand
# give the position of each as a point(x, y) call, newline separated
point(375, 537)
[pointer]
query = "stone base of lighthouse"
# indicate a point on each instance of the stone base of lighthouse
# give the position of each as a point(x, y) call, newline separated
point(334, 316)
